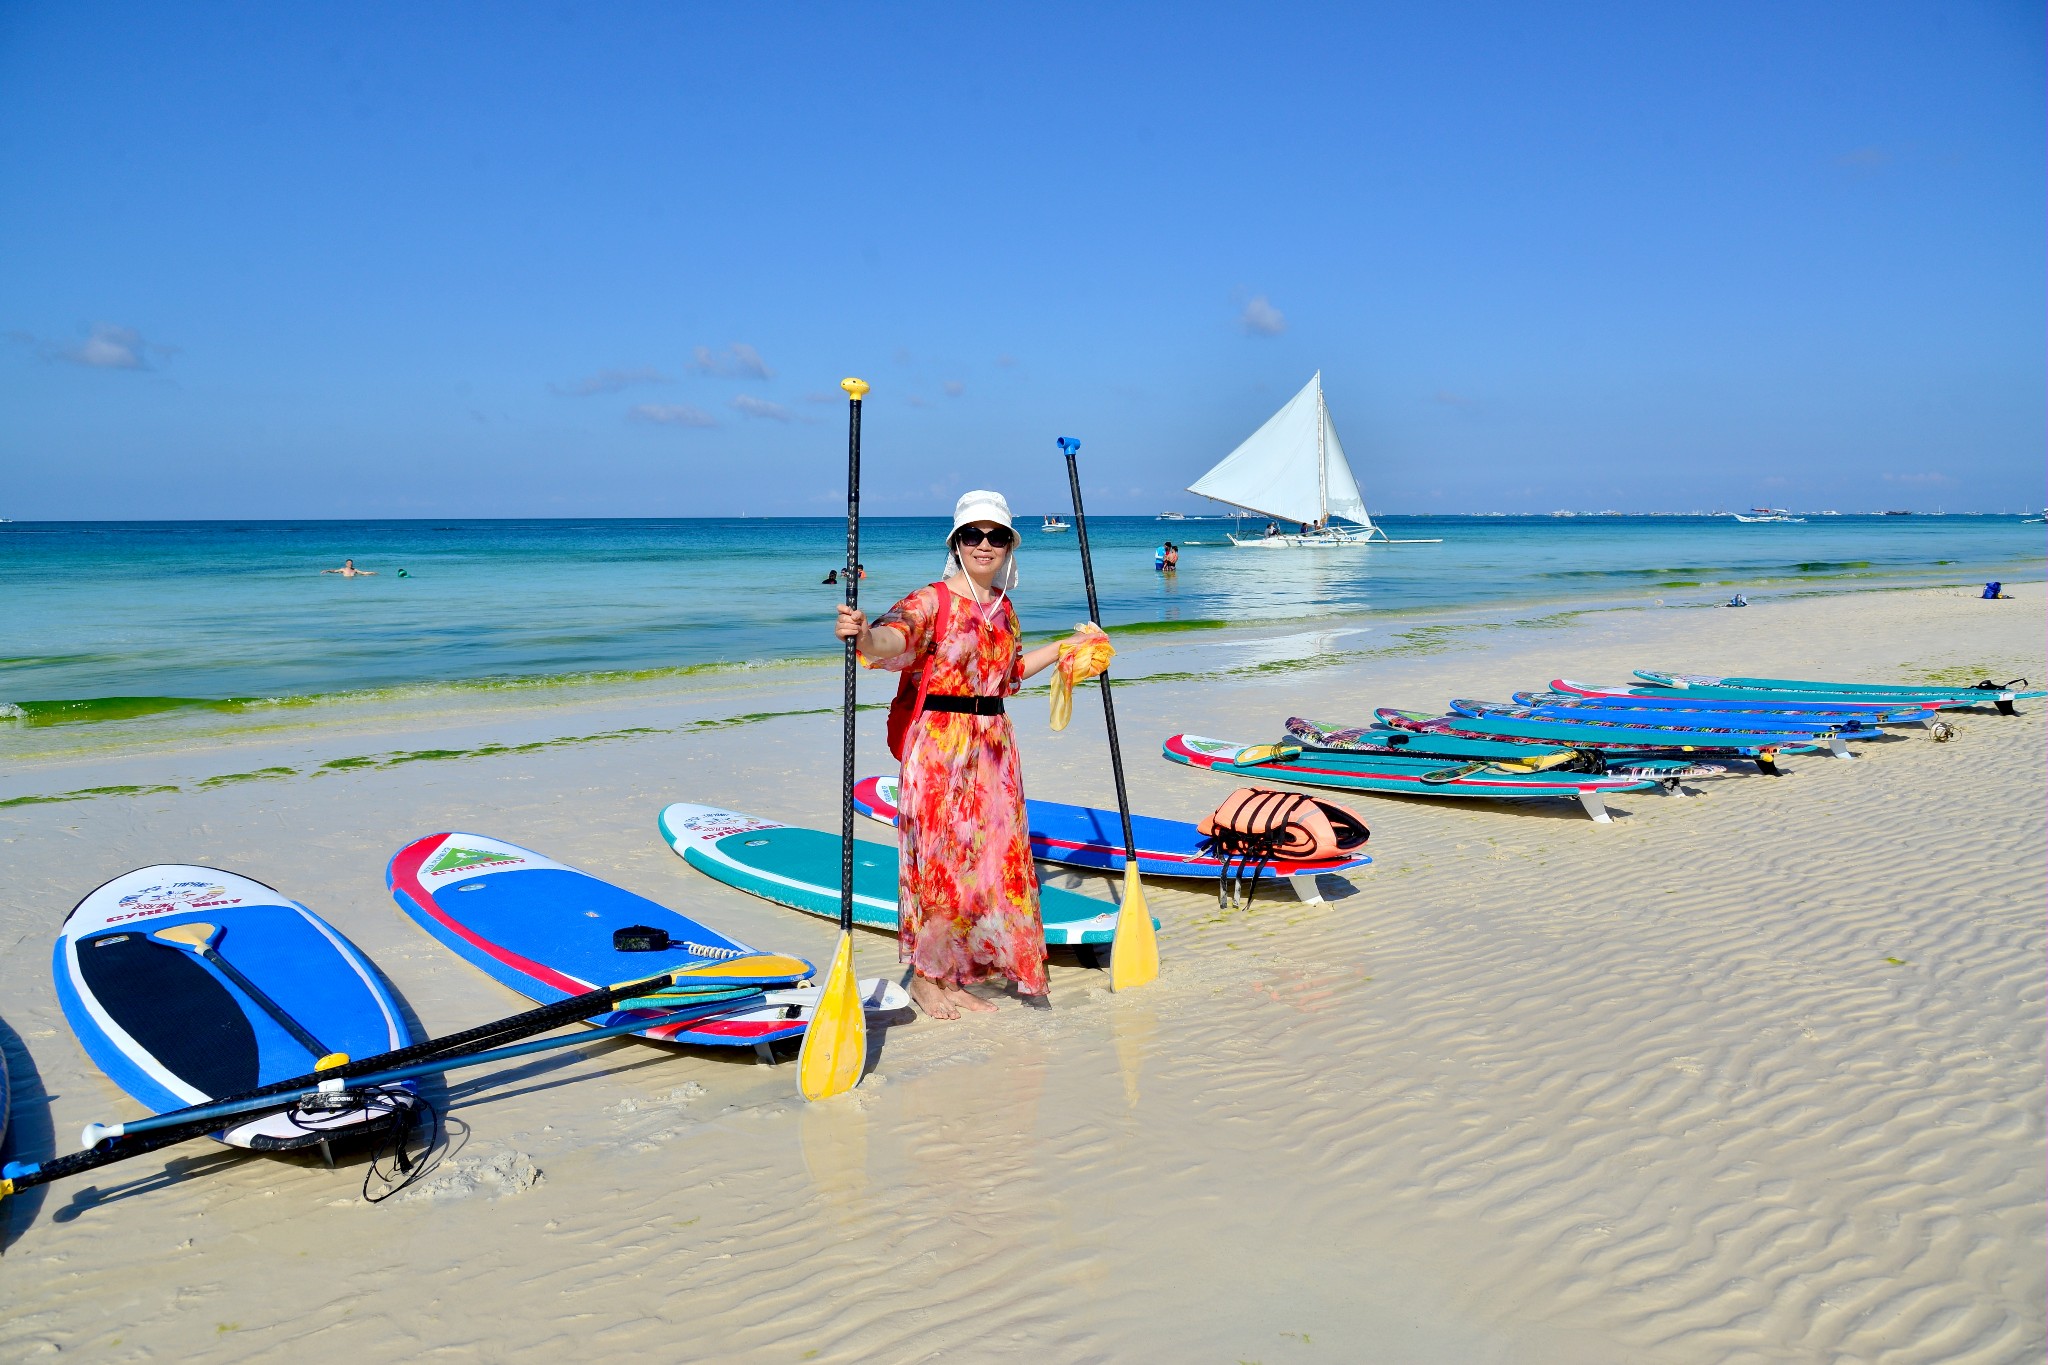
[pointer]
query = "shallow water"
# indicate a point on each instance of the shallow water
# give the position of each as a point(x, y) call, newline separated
point(111, 621)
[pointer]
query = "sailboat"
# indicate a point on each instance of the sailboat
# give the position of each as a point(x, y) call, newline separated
point(1293, 469)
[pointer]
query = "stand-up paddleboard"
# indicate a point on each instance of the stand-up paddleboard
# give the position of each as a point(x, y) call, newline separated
point(1679, 699)
point(1593, 735)
point(2003, 695)
point(1378, 739)
point(190, 984)
point(1403, 776)
point(799, 868)
point(549, 932)
point(1082, 836)
point(1592, 712)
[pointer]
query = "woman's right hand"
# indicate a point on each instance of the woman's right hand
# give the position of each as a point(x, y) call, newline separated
point(852, 623)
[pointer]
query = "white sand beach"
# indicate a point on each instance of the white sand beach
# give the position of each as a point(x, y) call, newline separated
point(1749, 1075)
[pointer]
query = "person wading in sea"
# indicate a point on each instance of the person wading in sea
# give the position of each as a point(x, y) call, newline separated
point(348, 569)
point(967, 892)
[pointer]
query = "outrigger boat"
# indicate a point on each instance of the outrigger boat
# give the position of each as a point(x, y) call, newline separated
point(1293, 469)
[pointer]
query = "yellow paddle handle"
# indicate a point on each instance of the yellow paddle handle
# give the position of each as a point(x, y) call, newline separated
point(855, 388)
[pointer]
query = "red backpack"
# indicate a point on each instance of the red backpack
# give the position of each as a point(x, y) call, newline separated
point(914, 683)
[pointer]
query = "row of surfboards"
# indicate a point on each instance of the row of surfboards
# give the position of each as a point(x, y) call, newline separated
point(191, 986)
point(1586, 742)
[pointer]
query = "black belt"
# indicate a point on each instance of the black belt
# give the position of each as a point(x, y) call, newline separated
point(966, 706)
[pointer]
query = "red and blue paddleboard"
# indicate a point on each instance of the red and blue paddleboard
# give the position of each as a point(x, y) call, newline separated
point(547, 931)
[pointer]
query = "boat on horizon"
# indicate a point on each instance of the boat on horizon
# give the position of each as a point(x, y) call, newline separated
point(1056, 523)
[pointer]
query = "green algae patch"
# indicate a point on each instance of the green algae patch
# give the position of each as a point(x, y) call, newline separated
point(258, 775)
point(86, 794)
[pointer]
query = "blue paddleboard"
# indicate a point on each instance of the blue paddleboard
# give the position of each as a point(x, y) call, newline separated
point(546, 931)
point(190, 984)
point(1084, 836)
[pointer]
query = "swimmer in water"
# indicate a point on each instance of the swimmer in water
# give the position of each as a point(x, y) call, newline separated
point(348, 569)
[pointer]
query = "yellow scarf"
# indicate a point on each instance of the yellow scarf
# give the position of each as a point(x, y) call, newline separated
point(1079, 660)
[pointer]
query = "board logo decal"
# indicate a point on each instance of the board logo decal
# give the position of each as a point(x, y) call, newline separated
point(454, 859)
point(717, 824)
point(173, 896)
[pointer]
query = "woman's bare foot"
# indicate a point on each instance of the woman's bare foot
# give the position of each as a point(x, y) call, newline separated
point(967, 1000)
point(931, 997)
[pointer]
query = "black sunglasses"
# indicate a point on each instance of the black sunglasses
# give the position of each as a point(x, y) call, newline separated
point(1002, 537)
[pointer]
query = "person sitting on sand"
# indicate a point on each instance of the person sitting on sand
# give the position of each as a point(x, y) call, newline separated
point(1994, 592)
point(1737, 601)
point(348, 569)
point(967, 893)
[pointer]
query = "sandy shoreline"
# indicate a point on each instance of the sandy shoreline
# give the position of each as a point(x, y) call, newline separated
point(1752, 1075)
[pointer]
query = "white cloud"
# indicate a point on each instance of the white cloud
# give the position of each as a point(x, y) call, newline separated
point(610, 381)
point(108, 348)
point(1006, 360)
point(737, 361)
point(823, 397)
point(1918, 478)
point(673, 415)
point(954, 388)
point(1261, 319)
point(1453, 400)
point(751, 406)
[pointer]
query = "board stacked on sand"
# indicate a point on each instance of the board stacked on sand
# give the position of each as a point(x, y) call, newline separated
point(549, 932)
point(1399, 775)
point(2002, 695)
point(799, 868)
point(1590, 711)
point(1083, 836)
point(1564, 690)
point(189, 984)
point(1635, 740)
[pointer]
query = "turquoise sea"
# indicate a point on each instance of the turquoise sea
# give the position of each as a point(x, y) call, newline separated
point(114, 620)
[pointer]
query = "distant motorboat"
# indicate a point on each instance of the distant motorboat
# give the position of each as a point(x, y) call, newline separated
point(1293, 469)
point(1056, 524)
point(1172, 516)
point(1898, 514)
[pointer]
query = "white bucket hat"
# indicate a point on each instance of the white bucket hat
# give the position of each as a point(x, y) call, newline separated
point(983, 505)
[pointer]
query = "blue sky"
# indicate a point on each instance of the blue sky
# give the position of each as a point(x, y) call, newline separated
point(503, 260)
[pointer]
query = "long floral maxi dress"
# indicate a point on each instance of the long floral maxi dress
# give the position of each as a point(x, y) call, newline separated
point(967, 890)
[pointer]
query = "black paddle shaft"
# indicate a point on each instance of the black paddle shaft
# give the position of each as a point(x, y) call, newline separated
point(847, 704)
point(1116, 755)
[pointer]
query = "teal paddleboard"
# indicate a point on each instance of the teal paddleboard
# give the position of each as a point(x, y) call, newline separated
point(799, 868)
point(1949, 698)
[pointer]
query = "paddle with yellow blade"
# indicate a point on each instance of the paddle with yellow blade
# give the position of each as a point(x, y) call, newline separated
point(1134, 956)
point(835, 1046)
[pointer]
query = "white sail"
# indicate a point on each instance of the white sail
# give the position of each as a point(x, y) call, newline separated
point(1341, 485)
point(1293, 467)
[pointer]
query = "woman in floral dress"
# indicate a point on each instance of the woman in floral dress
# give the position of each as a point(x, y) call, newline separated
point(968, 894)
